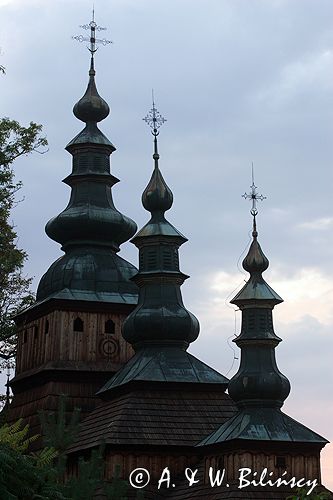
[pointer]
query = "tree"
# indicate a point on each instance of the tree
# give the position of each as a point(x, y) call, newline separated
point(59, 431)
point(15, 295)
point(302, 494)
point(24, 476)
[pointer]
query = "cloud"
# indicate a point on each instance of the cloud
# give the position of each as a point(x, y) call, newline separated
point(304, 322)
point(238, 82)
point(307, 293)
point(297, 78)
point(321, 224)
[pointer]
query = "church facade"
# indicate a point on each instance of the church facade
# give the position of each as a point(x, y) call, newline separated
point(115, 340)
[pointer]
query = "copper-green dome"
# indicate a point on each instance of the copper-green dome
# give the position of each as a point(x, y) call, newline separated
point(91, 107)
point(160, 317)
point(89, 274)
point(90, 229)
point(258, 381)
point(93, 220)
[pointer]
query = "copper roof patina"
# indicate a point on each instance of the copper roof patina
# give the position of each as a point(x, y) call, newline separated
point(258, 388)
point(90, 229)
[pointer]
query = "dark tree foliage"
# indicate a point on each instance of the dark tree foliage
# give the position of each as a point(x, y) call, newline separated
point(60, 430)
point(16, 140)
point(302, 494)
point(15, 295)
point(25, 476)
point(42, 475)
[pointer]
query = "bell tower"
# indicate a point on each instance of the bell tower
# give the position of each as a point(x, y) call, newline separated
point(260, 434)
point(69, 341)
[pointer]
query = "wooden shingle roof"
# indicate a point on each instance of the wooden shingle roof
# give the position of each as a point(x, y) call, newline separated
point(263, 424)
point(169, 364)
point(155, 417)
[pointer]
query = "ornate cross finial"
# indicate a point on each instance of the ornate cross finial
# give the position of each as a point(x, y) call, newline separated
point(92, 26)
point(154, 119)
point(254, 196)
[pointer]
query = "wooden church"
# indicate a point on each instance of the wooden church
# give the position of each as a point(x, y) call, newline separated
point(115, 340)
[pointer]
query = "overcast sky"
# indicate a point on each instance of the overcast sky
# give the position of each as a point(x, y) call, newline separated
point(238, 81)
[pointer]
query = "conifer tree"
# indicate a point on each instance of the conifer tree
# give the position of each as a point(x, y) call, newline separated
point(59, 431)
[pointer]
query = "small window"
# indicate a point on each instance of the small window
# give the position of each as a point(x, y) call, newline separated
point(35, 329)
point(47, 326)
point(280, 462)
point(25, 336)
point(109, 326)
point(78, 325)
point(220, 462)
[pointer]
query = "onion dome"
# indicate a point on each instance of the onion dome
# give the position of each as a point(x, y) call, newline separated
point(90, 229)
point(258, 381)
point(160, 328)
point(91, 107)
point(157, 197)
point(255, 261)
point(258, 388)
point(256, 288)
point(160, 317)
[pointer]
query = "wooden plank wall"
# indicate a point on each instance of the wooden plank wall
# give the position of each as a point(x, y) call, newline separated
point(62, 343)
point(154, 463)
point(298, 465)
point(27, 404)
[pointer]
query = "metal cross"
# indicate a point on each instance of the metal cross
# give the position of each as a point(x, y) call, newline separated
point(254, 196)
point(154, 119)
point(92, 26)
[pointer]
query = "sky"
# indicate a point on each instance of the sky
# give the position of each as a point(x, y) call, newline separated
point(238, 81)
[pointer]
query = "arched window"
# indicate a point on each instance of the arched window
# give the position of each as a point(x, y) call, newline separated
point(35, 329)
point(109, 326)
point(78, 325)
point(47, 326)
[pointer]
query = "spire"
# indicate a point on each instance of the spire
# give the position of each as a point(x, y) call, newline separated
point(258, 380)
point(161, 317)
point(157, 198)
point(90, 229)
point(160, 328)
point(91, 108)
point(255, 261)
point(258, 388)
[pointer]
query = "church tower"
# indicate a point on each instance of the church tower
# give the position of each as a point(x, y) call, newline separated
point(259, 436)
point(69, 341)
point(156, 408)
point(164, 400)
